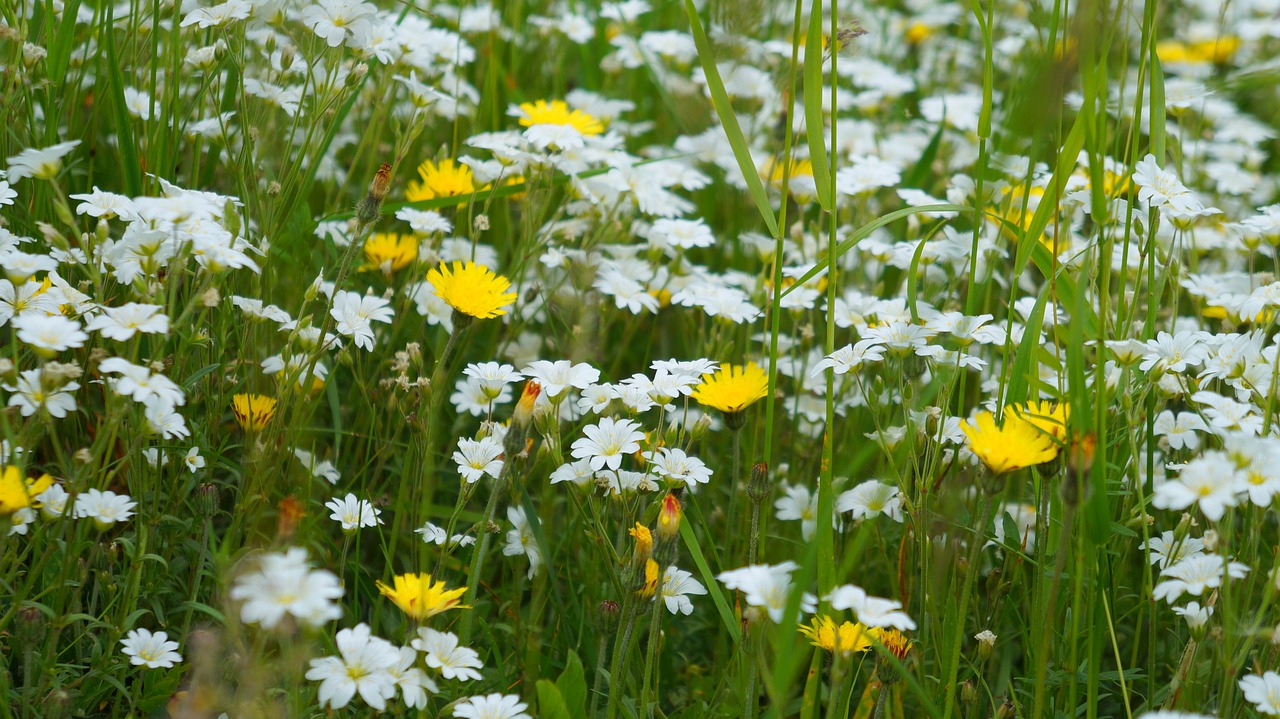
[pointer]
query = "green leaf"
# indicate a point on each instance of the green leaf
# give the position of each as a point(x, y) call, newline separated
point(572, 684)
point(814, 121)
point(1157, 105)
point(709, 579)
point(60, 48)
point(1021, 377)
point(729, 120)
point(550, 703)
point(920, 172)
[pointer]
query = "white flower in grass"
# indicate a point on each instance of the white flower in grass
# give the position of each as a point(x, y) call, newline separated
point(324, 470)
point(30, 395)
point(520, 540)
point(798, 504)
point(338, 21)
point(1196, 615)
point(1263, 692)
point(193, 460)
point(443, 653)
point(355, 314)
point(606, 442)
point(491, 706)
point(165, 421)
point(1168, 714)
point(476, 458)
point(1209, 481)
point(49, 334)
point(284, 584)
point(53, 501)
point(850, 358)
point(353, 512)
point(6, 194)
point(579, 472)
point(1180, 430)
point(140, 384)
point(413, 683)
point(122, 323)
point(363, 666)
point(153, 651)
point(40, 163)
point(492, 376)
point(1159, 187)
point(1194, 574)
point(871, 611)
point(677, 585)
point(101, 203)
point(1166, 550)
point(683, 234)
point(766, 586)
point(870, 499)
point(677, 466)
point(557, 376)
point(104, 508)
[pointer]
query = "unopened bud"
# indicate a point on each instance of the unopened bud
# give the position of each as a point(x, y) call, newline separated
point(606, 615)
point(700, 427)
point(524, 408)
point(369, 209)
point(669, 517)
point(759, 486)
point(31, 627)
point(208, 500)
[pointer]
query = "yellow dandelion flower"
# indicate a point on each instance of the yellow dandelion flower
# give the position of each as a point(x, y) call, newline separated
point(1217, 51)
point(472, 289)
point(894, 641)
point(650, 580)
point(253, 411)
point(1050, 418)
point(443, 179)
point(845, 638)
point(557, 112)
point(1017, 444)
point(390, 251)
point(18, 492)
point(421, 598)
point(732, 388)
point(644, 541)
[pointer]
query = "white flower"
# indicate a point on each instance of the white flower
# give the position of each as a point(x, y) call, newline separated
point(336, 21)
point(413, 683)
point(1172, 353)
point(1179, 431)
point(798, 503)
point(443, 653)
point(1194, 574)
point(579, 472)
point(7, 194)
point(40, 163)
point(767, 586)
point(850, 357)
point(153, 651)
point(606, 442)
point(284, 584)
point(677, 466)
point(193, 460)
point(31, 395)
point(477, 458)
point(104, 508)
point(138, 383)
point(122, 323)
point(53, 501)
point(870, 499)
point(325, 470)
point(355, 314)
point(491, 706)
point(1263, 692)
point(1166, 550)
point(867, 174)
point(493, 377)
point(556, 376)
point(49, 333)
point(677, 585)
point(1210, 480)
point(363, 665)
point(101, 203)
point(682, 234)
point(353, 513)
point(1159, 187)
point(1196, 615)
point(871, 611)
point(521, 540)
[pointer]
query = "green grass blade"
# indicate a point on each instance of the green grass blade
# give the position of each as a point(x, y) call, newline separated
point(709, 579)
point(129, 165)
point(814, 121)
point(729, 120)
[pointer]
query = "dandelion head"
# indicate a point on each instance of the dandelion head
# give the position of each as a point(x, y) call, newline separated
point(472, 289)
point(253, 411)
point(420, 598)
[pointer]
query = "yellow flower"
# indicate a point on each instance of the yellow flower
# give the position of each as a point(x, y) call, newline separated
point(445, 179)
point(1048, 417)
point(1017, 444)
point(894, 641)
point(1217, 51)
point(846, 638)
point(669, 517)
point(253, 411)
point(557, 112)
point(420, 598)
point(472, 289)
point(732, 388)
point(650, 580)
point(390, 251)
point(644, 541)
point(16, 492)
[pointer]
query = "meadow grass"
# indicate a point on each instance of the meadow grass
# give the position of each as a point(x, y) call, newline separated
point(639, 359)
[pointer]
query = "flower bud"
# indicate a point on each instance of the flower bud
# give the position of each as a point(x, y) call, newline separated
point(208, 500)
point(524, 408)
point(669, 517)
point(369, 209)
point(758, 487)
